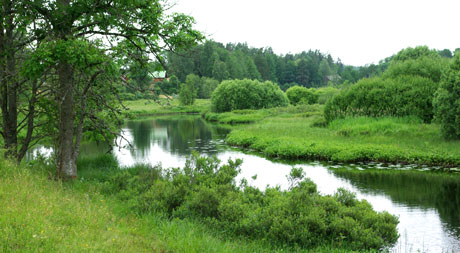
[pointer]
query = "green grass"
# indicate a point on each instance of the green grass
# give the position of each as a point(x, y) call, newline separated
point(39, 214)
point(252, 116)
point(146, 107)
point(302, 134)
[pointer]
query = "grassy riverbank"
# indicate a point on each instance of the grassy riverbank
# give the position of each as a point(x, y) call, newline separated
point(40, 214)
point(146, 107)
point(302, 133)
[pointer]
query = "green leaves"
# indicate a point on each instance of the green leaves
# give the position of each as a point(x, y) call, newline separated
point(247, 94)
point(447, 101)
point(301, 95)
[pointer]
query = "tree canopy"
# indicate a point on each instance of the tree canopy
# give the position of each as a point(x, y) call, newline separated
point(78, 49)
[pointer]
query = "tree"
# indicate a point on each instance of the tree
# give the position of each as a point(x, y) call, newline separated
point(447, 101)
point(188, 90)
point(219, 71)
point(207, 86)
point(20, 98)
point(303, 75)
point(75, 54)
point(324, 71)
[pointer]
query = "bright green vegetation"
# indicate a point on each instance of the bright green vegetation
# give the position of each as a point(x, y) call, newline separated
point(301, 95)
point(406, 88)
point(37, 214)
point(447, 101)
point(146, 107)
point(303, 134)
point(40, 214)
point(206, 192)
point(247, 94)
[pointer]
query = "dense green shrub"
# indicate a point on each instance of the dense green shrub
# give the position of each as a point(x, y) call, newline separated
point(301, 95)
point(447, 101)
point(377, 97)
point(298, 217)
point(247, 94)
point(430, 67)
point(406, 88)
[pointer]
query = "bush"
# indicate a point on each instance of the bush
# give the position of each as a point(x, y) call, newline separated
point(247, 94)
point(406, 88)
point(300, 217)
point(301, 95)
point(377, 97)
point(447, 101)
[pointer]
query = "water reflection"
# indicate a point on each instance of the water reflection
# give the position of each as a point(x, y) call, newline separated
point(426, 190)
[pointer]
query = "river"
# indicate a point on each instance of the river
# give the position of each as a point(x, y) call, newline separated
point(427, 203)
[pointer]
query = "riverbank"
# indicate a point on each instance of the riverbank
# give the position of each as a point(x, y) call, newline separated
point(145, 107)
point(301, 133)
point(38, 213)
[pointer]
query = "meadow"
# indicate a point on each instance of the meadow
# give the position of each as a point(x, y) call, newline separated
point(301, 132)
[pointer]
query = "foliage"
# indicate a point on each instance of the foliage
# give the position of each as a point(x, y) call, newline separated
point(424, 66)
point(169, 86)
point(187, 93)
point(301, 217)
point(326, 93)
point(239, 61)
point(99, 222)
point(301, 95)
point(207, 87)
point(377, 97)
point(247, 94)
point(447, 101)
point(414, 53)
point(407, 87)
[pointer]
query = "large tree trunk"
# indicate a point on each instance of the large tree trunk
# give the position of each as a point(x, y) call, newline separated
point(66, 160)
point(9, 84)
point(66, 164)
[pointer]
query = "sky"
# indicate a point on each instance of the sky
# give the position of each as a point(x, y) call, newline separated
point(359, 32)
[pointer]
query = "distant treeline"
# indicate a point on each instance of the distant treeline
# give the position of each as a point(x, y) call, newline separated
point(238, 61)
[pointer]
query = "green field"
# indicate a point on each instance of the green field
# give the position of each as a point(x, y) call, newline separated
point(302, 133)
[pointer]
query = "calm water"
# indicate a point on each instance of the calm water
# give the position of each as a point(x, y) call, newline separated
point(428, 204)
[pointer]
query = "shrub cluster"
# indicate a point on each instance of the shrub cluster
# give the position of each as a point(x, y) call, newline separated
point(247, 94)
point(377, 97)
point(301, 95)
point(299, 217)
point(447, 101)
point(406, 88)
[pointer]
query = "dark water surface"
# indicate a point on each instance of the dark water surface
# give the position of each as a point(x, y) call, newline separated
point(427, 203)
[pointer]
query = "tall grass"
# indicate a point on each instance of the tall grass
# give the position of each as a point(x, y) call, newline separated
point(306, 136)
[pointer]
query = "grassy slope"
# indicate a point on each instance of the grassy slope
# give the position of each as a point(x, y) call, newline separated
point(42, 215)
point(300, 133)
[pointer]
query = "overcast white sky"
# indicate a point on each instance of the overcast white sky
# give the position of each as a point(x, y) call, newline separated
point(358, 32)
